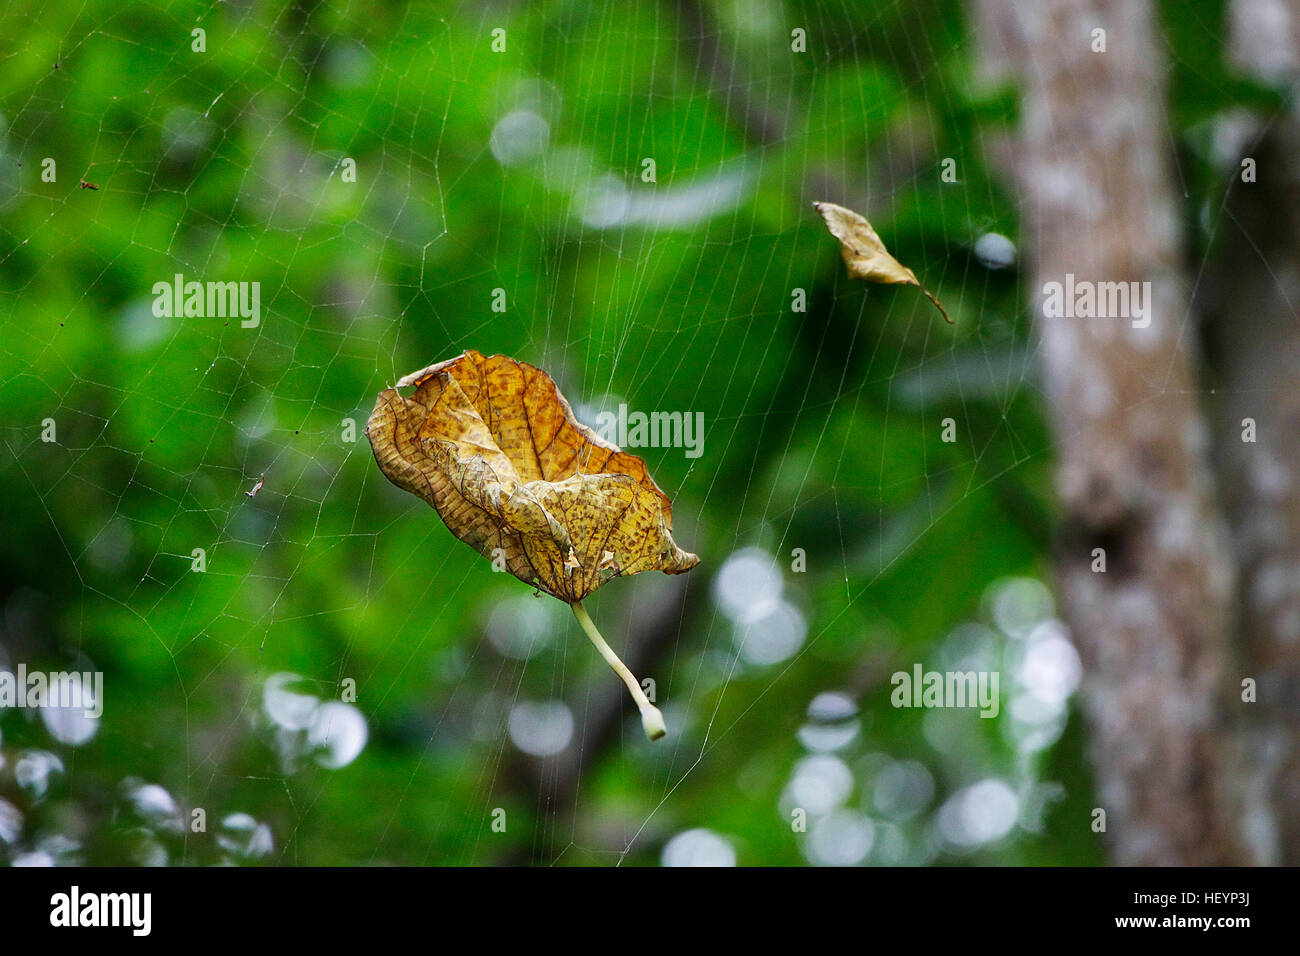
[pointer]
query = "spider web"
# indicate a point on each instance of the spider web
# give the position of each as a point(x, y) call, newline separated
point(521, 170)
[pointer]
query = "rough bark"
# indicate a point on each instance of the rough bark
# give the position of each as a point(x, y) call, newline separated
point(1093, 169)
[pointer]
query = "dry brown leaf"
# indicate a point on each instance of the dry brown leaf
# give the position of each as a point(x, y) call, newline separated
point(493, 446)
point(864, 253)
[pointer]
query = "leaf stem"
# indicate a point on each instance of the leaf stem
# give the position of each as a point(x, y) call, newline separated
point(942, 310)
point(651, 718)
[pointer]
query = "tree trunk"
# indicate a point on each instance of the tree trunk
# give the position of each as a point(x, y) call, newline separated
point(1092, 166)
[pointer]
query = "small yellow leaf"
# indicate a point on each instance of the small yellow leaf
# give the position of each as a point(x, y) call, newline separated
point(864, 253)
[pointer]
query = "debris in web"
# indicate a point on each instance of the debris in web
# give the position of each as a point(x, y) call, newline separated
point(864, 253)
point(495, 448)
